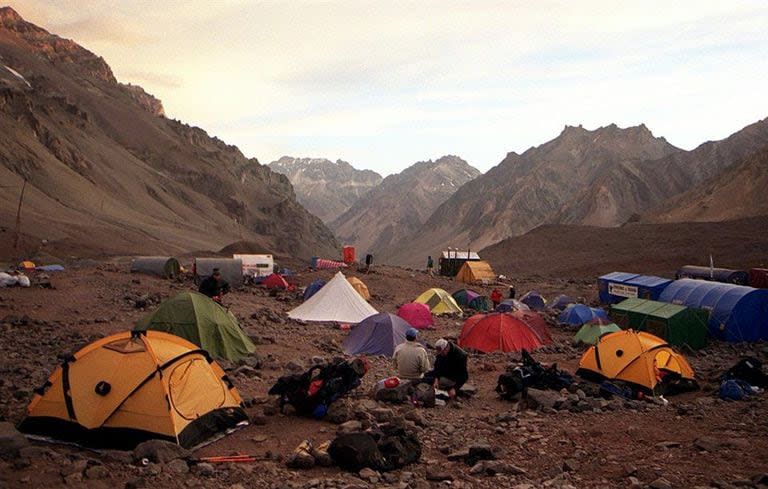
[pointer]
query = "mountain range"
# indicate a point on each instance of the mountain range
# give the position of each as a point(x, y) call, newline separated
point(106, 172)
point(325, 188)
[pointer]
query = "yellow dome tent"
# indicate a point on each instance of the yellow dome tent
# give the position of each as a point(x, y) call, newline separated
point(131, 387)
point(635, 357)
point(439, 302)
point(476, 271)
point(360, 287)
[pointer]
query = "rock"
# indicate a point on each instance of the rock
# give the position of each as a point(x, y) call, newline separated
point(293, 366)
point(383, 415)
point(96, 472)
point(435, 474)
point(11, 440)
point(177, 466)
point(537, 398)
point(668, 444)
point(300, 460)
point(634, 482)
point(760, 479)
point(258, 420)
point(660, 483)
point(247, 371)
point(136, 483)
point(480, 451)
point(571, 465)
point(204, 469)
point(707, 443)
point(73, 479)
point(493, 467)
point(159, 451)
point(339, 412)
point(369, 475)
point(350, 427)
point(417, 418)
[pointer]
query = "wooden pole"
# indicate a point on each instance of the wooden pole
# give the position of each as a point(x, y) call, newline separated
point(18, 216)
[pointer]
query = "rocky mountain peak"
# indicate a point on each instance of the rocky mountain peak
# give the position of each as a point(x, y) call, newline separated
point(9, 16)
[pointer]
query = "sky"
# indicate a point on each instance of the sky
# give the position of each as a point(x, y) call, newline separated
point(383, 85)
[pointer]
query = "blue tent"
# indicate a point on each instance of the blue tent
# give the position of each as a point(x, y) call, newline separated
point(534, 300)
point(509, 305)
point(376, 335)
point(617, 286)
point(312, 288)
point(578, 314)
point(561, 302)
point(736, 313)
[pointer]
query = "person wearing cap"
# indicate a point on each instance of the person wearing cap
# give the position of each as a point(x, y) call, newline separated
point(214, 286)
point(411, 360)
point(450, 372)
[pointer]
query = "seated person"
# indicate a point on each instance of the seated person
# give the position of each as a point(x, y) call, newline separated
point(411, 358)
point(450, 372)
point(214, 286)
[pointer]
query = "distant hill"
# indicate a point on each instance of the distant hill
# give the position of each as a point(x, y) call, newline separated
point(400, 204)
point(325, 188)
point(587, 251)
point(107, 173)
point(527, 190)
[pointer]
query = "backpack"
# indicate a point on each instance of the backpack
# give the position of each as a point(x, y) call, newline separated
point(423, 395)
point(389, 449)
point(734, 390)
point(748, 369)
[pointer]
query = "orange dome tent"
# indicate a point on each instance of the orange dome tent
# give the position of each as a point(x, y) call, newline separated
point(499, 332)
point(636, 357)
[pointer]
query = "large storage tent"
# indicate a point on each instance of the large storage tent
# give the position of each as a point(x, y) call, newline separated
point(677, 324)
point(231, 269)
point(132, 387)
point(578, 314)
point(725, 275)
point(336, 301)
point(479, 271)
point(160, 266)
point(417, 315)
point(635, 357)
point(617, 286)
point(376, 335)
point(360, 287)
point(736, 313)
point(200, 320)
point(439, 302)
point(498, 332)
point(508, 305)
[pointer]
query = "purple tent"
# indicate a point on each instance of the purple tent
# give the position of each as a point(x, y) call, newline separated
point(534, 300)
point(509, 305)
point(376, 335)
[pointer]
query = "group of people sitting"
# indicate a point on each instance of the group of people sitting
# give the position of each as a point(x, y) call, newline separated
point(449, 373)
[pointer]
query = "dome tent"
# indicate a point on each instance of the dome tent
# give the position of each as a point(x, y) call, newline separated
point(134, 386)
point(578, 314)
point(439, 302)
point(509, 305)
point(312, 288)
point(200, 320)
point(534, 300)
point(499, 332)
point(360, 287)
point(591, 332)
point(417, 315)
point(376, 335)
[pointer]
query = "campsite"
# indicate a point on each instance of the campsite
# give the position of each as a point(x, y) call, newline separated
point(600, 444)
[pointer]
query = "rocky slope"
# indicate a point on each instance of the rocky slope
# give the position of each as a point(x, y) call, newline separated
point(325, 188)
point(524, 191)
point(106, 173)
point(737, 192)
point(402, 202)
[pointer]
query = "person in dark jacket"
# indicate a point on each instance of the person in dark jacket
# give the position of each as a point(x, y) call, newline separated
point(214, 286)
point(450, 371)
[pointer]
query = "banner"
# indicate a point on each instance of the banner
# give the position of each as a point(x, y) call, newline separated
point(622, 290)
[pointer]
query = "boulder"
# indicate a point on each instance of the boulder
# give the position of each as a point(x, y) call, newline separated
point(159, 451)
point(11, 440)
point(537, 398)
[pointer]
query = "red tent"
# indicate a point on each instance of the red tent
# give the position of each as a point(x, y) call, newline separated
point(275, 281)
point(499, 331)
point(536, 323)
point(418, 315)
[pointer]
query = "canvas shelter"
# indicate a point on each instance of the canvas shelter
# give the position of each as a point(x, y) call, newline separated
point(725, 275)
point(635, 357)
point(617, 286)
point(417, 315)
point(561, 302)
point(360, 287)
point(534, 300)
point(201, 321)
point(451, 261)
point(578, 314)
point(134, 386)
point(313, 287)
point(376, 335)
point(478, 271)
point(159, 266)
point(592, 331)
point(509, 305)
point(498, 332)
point(471, 299)
point(231, 270)
point(275, 281)
point(256, 265)
point(439, 302)
point(336, 301)
point(736, 313)
point(678, 325)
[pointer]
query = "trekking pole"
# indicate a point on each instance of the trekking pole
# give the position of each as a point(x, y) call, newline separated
point(232, 459)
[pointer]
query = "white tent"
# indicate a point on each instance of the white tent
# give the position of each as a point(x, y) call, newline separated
point(336, 301)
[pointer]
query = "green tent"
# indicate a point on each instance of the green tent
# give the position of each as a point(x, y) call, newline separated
point(201, 321)
point(590, 333)
point(679, 325)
